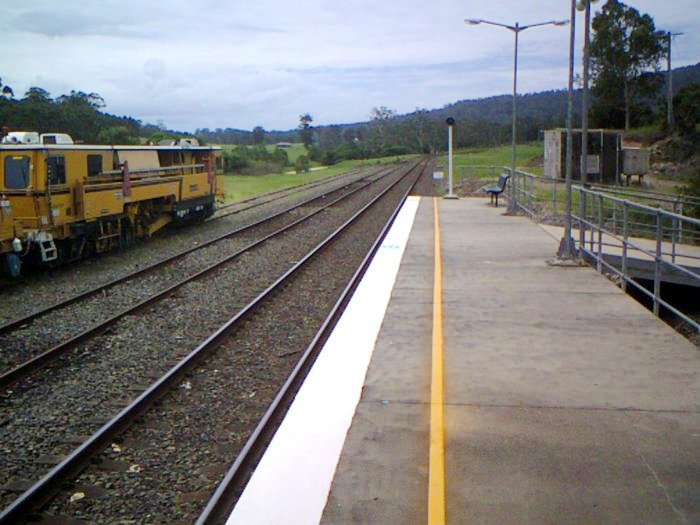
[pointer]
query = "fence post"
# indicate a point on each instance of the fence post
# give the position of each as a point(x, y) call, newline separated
point(625, 234)
point(674, 228)
point(599, 265)
point(582, 218)
point(657, 263)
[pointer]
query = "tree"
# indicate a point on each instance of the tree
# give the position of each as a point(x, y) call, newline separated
point(162, 136)
point(380, 125)
point(37, 95)
point(258, 135)
point(301, 164)
point(79, 98)
point(686, 109)
point(306, 133)
point(330, 137)
point(236, 159)
point(79, 115)
point(623, 48)
point(116, 135)
point(7, 91)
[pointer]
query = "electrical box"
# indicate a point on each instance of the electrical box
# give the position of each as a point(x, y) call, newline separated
point(635, 161)
point(604, 161)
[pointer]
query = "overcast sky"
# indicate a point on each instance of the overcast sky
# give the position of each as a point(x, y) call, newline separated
point(217, 64)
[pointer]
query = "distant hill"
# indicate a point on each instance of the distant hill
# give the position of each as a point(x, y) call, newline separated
point(546, 106)
point(535, 110)
point(684, 76)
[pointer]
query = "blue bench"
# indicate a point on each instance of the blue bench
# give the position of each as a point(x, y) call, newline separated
point(495, 191)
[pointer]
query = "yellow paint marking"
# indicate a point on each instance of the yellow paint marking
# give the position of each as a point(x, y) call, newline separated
point(436, 475)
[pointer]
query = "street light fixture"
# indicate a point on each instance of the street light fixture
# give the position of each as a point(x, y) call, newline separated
point(669, 75)
point(516, 29)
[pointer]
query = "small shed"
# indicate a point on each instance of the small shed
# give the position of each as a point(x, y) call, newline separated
point(604, 155)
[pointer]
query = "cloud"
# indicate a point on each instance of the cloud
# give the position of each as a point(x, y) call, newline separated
point(154, 69)
point(224, 63)
point(70, 24)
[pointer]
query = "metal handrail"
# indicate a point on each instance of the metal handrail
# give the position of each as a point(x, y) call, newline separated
point(606, 220)
point(160, 170)
point(638, 205)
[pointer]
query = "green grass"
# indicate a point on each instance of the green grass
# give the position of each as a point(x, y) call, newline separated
point(239, 187)
point(645, 134)
point(295, 151)
point(526, 156)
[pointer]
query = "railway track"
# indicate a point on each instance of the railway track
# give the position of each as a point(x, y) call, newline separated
point(284, 193)
point(88, 274)
point(62, 442)
point(25, 349)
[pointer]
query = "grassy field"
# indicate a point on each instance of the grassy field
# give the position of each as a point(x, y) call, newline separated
point(528, 158)
point(239, 187)
point(295, 151)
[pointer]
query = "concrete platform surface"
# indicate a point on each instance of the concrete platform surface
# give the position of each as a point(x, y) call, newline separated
point(565, 400)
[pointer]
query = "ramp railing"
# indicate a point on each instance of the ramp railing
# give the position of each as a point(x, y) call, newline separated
point(619, 235)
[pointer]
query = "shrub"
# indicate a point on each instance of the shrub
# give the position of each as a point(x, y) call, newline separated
point(301, 164)
point(329, 157)
point(686, 109)
point(236, 159)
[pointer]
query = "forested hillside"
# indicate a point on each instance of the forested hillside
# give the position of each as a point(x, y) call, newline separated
point(78, 114)
point(484, 121)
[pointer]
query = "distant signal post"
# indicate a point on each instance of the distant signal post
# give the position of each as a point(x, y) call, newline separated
point(450, 124)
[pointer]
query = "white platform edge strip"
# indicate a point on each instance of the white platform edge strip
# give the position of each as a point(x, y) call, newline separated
point(292, 481)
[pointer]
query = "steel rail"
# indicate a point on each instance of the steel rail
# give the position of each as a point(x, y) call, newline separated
point(39, 361)
point(10, 325)
point(43, 489)
point(289, 191)
point(222, 500)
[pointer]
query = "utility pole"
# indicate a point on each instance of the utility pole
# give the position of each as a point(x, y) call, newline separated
point(585, 4)
point(566, 245)
point(668, 35)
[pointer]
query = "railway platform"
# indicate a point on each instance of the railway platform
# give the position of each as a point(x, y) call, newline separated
point(470, 381)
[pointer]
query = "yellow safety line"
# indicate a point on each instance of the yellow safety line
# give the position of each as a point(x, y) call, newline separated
point(436, 475)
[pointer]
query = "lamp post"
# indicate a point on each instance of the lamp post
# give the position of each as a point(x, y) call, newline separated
point(516, 29)
point(566, 245)
point(669, 75)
